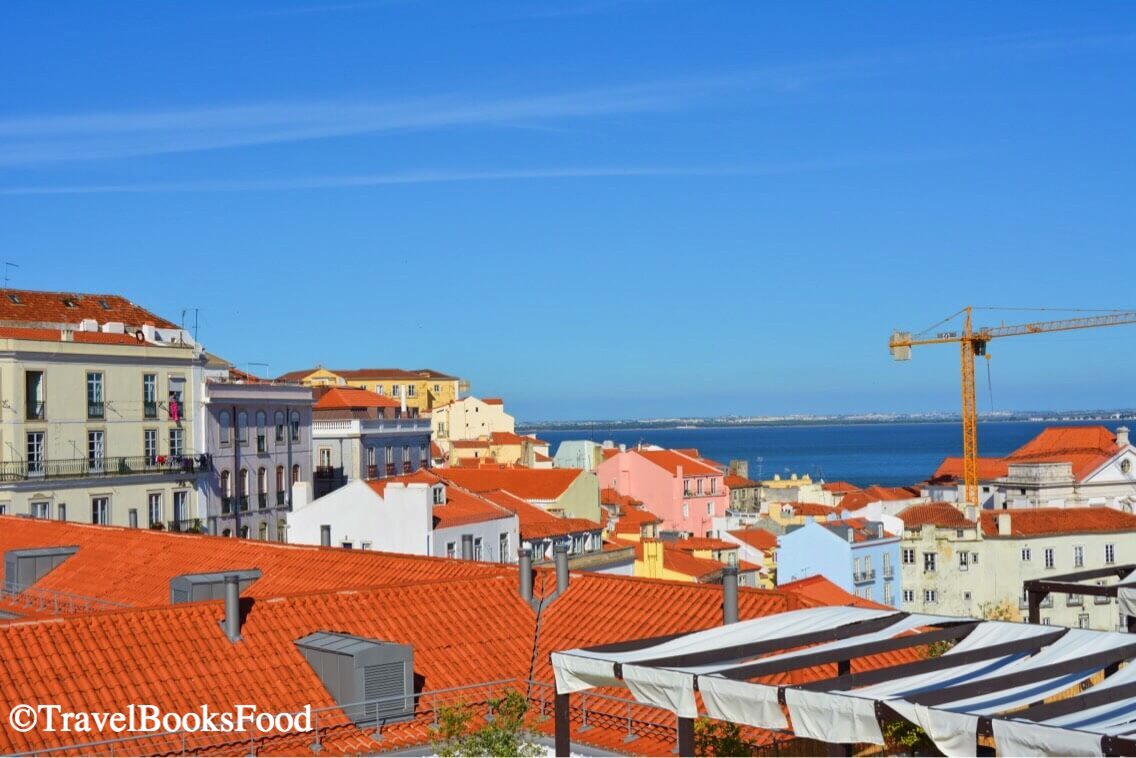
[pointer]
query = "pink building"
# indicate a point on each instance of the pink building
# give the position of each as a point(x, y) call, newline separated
point(685, 491)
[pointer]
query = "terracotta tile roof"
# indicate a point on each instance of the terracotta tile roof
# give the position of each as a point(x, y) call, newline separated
point(507, 438)
point(812, 509)
point(537, 523)
point(755, 537)
point(609, 452)
point(988, 468)
point(733, 481)
point(39, 307)
point(689, 452)
point(530, 484)
point(1030, 522)
point(462, 507)
point(701, 543)
point(352, 398)
point(469, 444)
point(823, 592)
point(874, 494)
point(838, 488)
point(1086, 447)
point(684, 563)
point(611, 496)
point(862, 529)
point(134, 566)
point(55, 335)
point(492, 401)
point(936, 514)
point(671, 460)
point(633, 519)
point(295, 376)
point(462, 632)
point(391, 373)
point(435, 451)
point(540, 458)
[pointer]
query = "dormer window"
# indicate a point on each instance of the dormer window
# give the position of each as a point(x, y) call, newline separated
point(439, 495)
point(15, 299)
point(104, 304)
point(69, 302)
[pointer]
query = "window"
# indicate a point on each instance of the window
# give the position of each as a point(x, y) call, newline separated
point(1078, 556)
point(709, 509)
point(928, 562)
point(225, 424)
point(243, 427)
point(295, 473)
point(181, 499)
point(389, 456)
point(95, 406)
point(40, 510)
point(261, 436)
point(1110, 553)
point(60, 512)
point(699, 482)
point(1027, 555)
point(325, 457)
point(908, 556)
point(685, 510)
point(966, 596)
point(280, 485)
point(177, 390)
point(451, 549)
point(1101, 599)
point(503, 547)
point(964, 561)
point(477, 548)
point(1074, 600)
point(262, 531)
point(243, 488)
point(406, 454)
point(226, 492)
point(96, 450)
point(175, 442)
point(437, 388)
point(278, 419)
point(150, 446)
point(365, 545)
point(262, 487)
point(958, 533)
point(1083, 621)
point(411, 390)
point(887, 564)
point(1048, 557)
point(439, 495)
point(132, 518)
point(35, 452)
point(150, 395)
point(713, 486)
point(855, 568)
point(974, 559)
point(154, 508)
point(3, 509)
point(295, 426)
point(889, 596)
point(34, 392)
point(100, 510)
point(930, 597)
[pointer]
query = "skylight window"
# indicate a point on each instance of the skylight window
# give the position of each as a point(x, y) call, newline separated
point(104, 304)
point(15, 299)
point(69, 302)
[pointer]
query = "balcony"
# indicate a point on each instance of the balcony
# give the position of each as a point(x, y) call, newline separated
point(889, 572)
point(243, 501)
point(407, 467)
point(262, 500)
point(261, 443)
point(360, 427)
point(864, 577)
point(34, 411)
point(78, 468)
point(226, 505)
point(187, 526)
point(280, 499)
point(372, 471)
point(149, 408)
point(96, 409)
point(390, 469)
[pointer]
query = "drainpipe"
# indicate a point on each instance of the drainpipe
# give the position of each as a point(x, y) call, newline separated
point(236, 437)
point(526, 575)
point(232, 607)
point(288, 469)
point(560, 553)
point(729, 594)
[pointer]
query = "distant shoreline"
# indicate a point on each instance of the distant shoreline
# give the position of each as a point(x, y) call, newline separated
point(695, 424)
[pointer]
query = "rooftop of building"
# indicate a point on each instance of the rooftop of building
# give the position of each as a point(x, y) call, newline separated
point(733, 481)
point(856, 500)
point(351, 399)
point(756, 537)
point(689, 544)
point(1038, 522)
point(527, 483)
point(1086, 448)
point(674, 460)
point(42, 307)
point(936, 514)
point(536, 523)
point(862, 530)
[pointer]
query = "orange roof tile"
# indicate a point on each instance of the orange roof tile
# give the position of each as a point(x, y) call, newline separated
point(540, 458)
point(611, 496)
point(530, 484)
point(1086, 447)
point(820, 590)
point(839, 488)
point(391, 373)
point(701, 543)
point(55, 335)
point(988, 468)
point(672, 460)
point(492, 401)
point(812, 509)
point(762, 539)
point(435, 451)
point(537, 523)
point(733, 481)
point(936, 514)
point(609, 452)
point(633, 518)
point(352, 398)
point(1030, 522)
point(469, 444)
point(40, 307)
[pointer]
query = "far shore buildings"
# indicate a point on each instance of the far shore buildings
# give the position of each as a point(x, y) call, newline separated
point(1062, 467)
point(685, 490)
point(422, 390)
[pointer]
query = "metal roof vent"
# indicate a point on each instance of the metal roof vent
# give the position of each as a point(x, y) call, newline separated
point(189, 588)
point(371, 680)
point(25, 567)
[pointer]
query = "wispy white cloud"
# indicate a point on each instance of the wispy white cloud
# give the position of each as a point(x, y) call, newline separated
point(456, 176)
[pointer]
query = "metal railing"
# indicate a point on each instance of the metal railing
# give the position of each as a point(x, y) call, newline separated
point(889, 572)
point(38, 600)
point(862, 577)
point(82, 467)
point(96, 409)
point(280, 499)
point(187, 526)
point(262, 500)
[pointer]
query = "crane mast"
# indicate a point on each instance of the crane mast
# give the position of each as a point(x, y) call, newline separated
point(972, 344)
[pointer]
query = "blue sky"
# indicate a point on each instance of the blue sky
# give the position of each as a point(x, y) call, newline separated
point(595, 208)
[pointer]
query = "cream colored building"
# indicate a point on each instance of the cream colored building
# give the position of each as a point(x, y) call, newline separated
point(956, 566)
point(421, 390)
point(96, 417)
point(469, 419)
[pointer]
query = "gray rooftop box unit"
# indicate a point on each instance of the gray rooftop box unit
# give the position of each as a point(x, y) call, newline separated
point(25, 567)
point(189, 588)
point(374, 678)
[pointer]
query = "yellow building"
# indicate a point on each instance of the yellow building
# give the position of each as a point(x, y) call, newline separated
point(97, 411)
point(424, 389)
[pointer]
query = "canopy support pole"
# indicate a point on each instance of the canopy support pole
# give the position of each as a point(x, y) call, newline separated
point(685, 736)
point(563, 725)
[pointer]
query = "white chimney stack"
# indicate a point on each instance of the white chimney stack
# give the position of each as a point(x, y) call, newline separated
point(1122, 436)
point(1004, 524)
point(402, 397)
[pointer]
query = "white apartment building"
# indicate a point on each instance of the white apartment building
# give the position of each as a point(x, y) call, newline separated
point(96, 411)
point(469, 418)
point(954, 565)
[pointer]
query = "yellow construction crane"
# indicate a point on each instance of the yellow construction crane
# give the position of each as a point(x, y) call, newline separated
point(973, 344)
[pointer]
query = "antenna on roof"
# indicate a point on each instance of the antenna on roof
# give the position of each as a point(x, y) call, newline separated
point(8, 265)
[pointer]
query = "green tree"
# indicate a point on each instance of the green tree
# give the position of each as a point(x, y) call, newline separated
point(505, 733)
point(718, 738)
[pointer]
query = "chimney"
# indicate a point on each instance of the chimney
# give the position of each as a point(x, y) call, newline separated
point(560, 553)
point(233, 607)
point(653, 558)
point(467, 547)
point(402, 393)
point(525, 555)
point(622, 448)
point(1004, 524)
point(1122, 436)
point(325, 535)
point(66, 335)
point(729, 594)
point(971, 513)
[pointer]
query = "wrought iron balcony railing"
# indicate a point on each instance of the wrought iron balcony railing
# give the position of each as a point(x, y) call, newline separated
point(96, 409)
point(132, 465)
